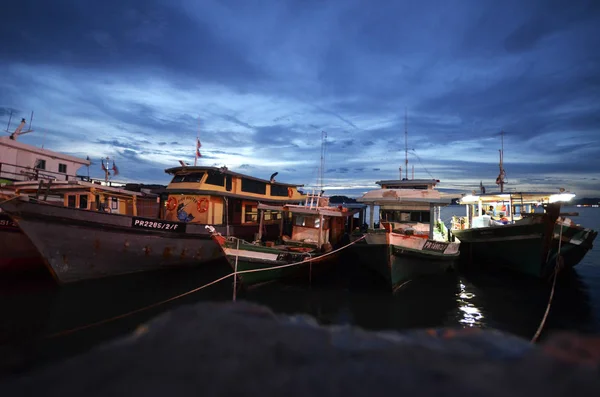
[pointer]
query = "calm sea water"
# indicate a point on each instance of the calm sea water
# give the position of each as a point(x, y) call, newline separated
point(34, 309)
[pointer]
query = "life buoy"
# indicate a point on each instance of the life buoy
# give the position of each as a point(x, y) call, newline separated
point(290, 192)
point(171, 203)
point(202, 205)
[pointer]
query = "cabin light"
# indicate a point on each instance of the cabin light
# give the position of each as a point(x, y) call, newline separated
point(504, 195)
point(469, 199)
point(561, 197)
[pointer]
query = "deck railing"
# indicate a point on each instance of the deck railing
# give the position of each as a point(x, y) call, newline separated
point(20, 173)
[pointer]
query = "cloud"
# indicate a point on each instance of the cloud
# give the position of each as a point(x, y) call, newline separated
point(140, 80)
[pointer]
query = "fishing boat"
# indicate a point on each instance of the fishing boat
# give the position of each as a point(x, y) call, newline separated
point(411, 240)
point(316, 230)
point(102, 231)
point(502, 229)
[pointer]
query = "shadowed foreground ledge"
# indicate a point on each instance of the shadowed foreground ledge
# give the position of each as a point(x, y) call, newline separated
point(212, 349)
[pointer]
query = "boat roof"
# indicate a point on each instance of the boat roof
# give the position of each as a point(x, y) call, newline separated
point(525, 197)
point(406, 196)
point(225, 170)
point(408, 182)
point(303, 209)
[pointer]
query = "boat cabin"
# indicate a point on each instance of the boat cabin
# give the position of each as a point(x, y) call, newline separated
point(313, 224)
point(91, 195)
point(411, 205)
point(497, 209)
point(218, 196)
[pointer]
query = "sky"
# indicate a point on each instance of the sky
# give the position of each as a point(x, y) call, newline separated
point(259, 81)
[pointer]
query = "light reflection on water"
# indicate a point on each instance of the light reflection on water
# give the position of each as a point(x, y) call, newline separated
point(469, 314)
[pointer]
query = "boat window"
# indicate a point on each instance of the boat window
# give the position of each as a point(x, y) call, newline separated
point(251, 213)
point(191, 177)
point(71, 201)
point(306, 221)
point(268, 215)
point(279, 190)
point(114, 203)
point(62, 168)
point(83, 201)
point(419, 216)
point(252, 186)
point(215, 178)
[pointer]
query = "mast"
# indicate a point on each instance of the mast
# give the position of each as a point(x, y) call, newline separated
point(406, 142)
point(502, 174)
point(322, 167)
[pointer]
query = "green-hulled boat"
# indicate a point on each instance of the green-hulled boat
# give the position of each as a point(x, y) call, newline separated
point(318, 231)
point(503, 230)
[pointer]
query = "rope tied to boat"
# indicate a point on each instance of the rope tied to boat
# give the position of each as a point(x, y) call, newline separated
point(559, 263)
point(132, 312)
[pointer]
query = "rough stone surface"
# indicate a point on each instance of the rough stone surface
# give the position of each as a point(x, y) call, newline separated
point(213, 349)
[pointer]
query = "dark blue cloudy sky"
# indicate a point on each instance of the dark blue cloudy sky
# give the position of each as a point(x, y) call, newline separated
point(136, 79)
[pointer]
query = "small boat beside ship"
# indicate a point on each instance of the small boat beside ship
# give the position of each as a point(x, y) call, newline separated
point(411, 240)
point(317, 229)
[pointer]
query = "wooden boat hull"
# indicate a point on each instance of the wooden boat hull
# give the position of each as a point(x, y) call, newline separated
point(80, 245)
point(259, 258)
point(17, 254)
point(399, 258)
point(523, 248)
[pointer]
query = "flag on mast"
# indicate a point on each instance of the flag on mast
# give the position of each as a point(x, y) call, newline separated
point(198, 146)
point(115, 169)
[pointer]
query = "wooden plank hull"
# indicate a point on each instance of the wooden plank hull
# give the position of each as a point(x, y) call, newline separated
point(260, 264)
point(80, 245)
point(521, 247)
point(399, 258)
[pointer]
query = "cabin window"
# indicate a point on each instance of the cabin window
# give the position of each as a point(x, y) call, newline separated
point(419, 216)
point(215, 178)
point(83, 201)
point(268, 215)
point(252, 186)
point(306, 221)
point(40, 164)
point(405, 216)
point(228, 183)
point(191, 177)
point(251, 214)
point(114, 203)
point(279, 190)
point(62, 168)
point(71, 201)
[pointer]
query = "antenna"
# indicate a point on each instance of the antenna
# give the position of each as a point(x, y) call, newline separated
point(406, 142)
point(19, 130)
point(9, 119)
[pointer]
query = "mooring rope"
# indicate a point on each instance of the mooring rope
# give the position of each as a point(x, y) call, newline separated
point(120, 316)
point(556, 269)
point(8, 199)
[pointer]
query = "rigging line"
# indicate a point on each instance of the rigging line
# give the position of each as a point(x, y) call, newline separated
point(420, 162)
